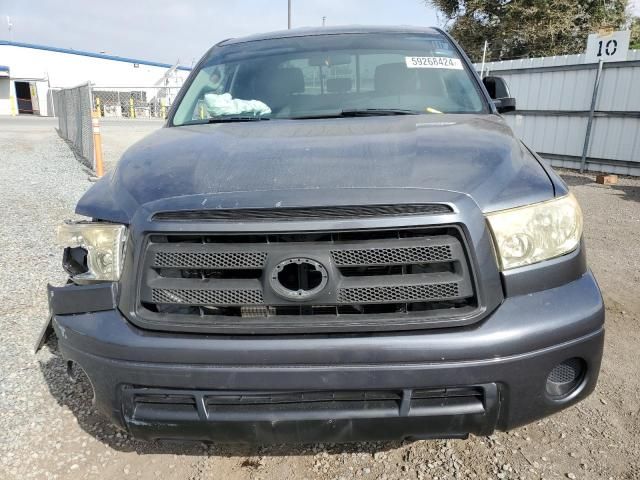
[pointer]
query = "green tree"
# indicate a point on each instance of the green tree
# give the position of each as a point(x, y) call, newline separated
point(528, 28)
point(635, 33)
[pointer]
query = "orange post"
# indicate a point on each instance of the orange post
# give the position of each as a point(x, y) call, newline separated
point(97, 143)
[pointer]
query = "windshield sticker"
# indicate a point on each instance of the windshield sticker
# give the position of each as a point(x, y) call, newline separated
point(434, 62)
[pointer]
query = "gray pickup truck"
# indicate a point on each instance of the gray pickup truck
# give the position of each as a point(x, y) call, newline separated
point(335, 237)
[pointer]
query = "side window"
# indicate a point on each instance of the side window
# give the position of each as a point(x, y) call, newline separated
point(458, 88)
point(213, 79)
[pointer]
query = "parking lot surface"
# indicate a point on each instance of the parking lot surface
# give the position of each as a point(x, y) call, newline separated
point(48, 428)
point(120, 133)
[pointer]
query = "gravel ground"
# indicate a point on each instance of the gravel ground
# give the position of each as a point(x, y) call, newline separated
point(48, 428)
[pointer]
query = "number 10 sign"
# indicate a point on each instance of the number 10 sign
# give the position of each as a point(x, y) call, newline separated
point(608, 47)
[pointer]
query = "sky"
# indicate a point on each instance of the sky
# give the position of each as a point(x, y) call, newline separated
point(173, 31)
point(182, 30)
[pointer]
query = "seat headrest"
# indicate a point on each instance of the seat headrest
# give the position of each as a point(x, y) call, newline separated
point(284, 81)
point(339, 85)
point(393, 78)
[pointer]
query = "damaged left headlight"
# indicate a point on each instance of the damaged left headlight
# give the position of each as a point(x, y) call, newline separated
point(94, 251)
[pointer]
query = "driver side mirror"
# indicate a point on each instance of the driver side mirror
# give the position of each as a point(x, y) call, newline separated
point(499, 92)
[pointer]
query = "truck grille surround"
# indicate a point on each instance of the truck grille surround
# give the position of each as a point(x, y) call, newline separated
point(307, 282)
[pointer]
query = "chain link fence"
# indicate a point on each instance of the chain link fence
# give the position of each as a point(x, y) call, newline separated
point(133, 102)
point(73, 109)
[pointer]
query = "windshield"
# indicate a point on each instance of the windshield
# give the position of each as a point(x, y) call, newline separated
point(330, 76)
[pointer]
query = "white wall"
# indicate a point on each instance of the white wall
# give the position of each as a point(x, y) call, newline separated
point(68, 70)
point(5, 96)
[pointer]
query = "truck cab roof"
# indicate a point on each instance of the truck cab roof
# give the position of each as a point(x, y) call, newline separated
point(337, 30)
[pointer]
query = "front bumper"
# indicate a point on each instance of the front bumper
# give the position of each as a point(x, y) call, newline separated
point(447, 383)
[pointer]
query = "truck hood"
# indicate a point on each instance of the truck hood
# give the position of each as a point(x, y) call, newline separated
point(476, 155)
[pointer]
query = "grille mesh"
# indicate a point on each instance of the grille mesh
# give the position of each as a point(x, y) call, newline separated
point(207, 297)
point(210, 259)
point(566, 372)
point(400, 293)
point(390, 256)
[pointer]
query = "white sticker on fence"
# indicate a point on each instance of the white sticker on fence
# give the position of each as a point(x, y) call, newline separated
point(609, 47)
point(434, 62)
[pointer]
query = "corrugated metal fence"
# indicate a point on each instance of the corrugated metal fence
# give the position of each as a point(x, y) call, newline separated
point(553, 97)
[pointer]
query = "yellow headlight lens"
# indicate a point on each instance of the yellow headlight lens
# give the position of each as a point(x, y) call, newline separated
point(104, 243)
point(537, 232)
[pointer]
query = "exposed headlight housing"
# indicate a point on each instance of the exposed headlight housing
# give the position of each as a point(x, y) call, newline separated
point(537, 232)
point(104, 246)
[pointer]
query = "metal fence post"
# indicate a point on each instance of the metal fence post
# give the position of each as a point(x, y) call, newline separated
point(594, 99)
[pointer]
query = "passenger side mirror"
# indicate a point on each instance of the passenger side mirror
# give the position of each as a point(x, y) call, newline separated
point(499, 92)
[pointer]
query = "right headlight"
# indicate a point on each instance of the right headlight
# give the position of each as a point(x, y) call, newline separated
point(97, 250)
point(537, 232)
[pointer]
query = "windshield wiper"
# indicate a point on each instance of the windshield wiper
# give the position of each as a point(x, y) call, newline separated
point(238, 118)
point(361, 112)
point(231, 119)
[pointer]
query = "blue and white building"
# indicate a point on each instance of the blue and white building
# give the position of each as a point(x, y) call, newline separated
point(29, 72)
